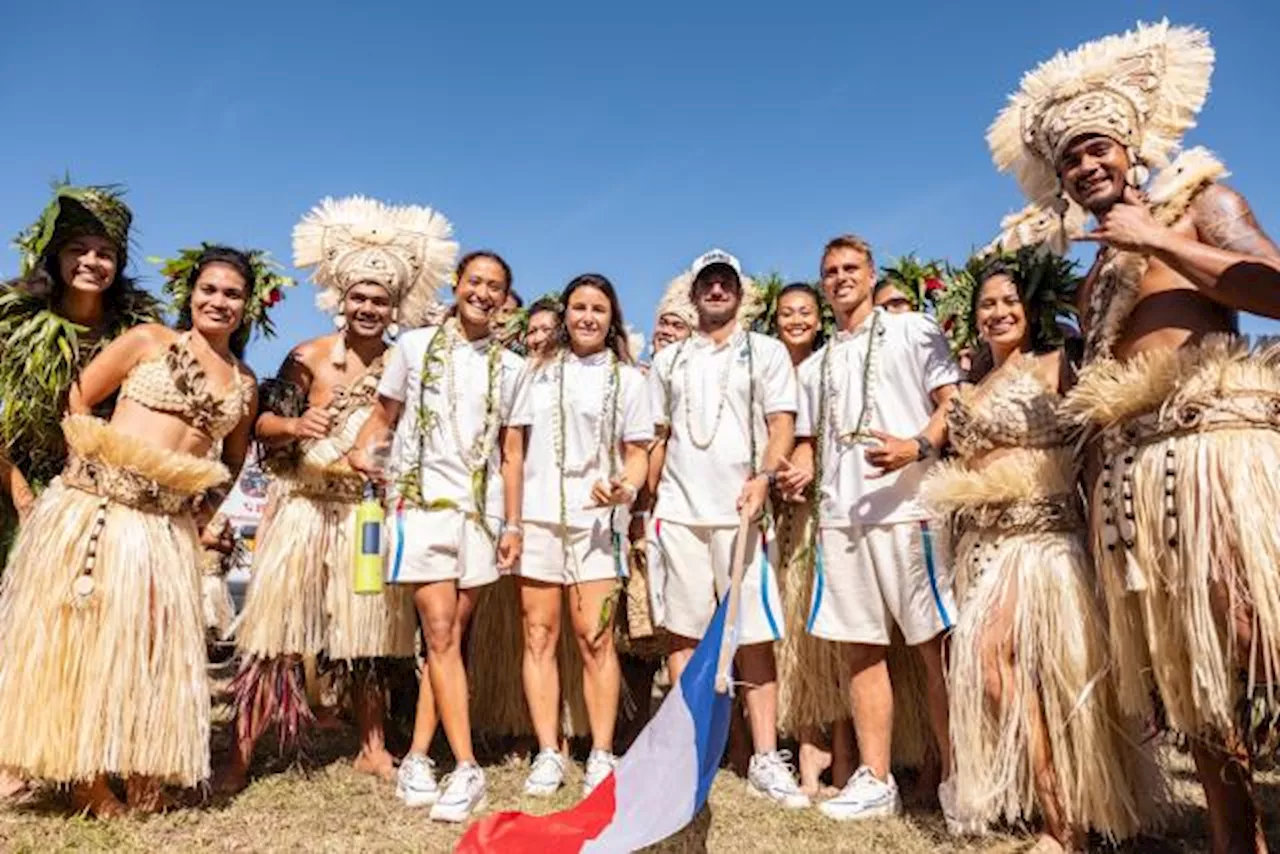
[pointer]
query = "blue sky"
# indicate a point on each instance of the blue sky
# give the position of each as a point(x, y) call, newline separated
point(623, 139)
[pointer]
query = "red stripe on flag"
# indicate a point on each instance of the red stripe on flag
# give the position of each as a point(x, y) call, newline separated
point(521, 833)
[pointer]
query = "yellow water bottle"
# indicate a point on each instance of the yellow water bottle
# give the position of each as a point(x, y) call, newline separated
point(369, 518)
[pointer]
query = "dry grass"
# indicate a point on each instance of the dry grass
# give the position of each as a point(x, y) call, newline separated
point(331, 808)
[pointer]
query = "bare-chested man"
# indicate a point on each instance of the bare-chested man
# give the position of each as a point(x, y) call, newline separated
point(302, 600)
point(1185, 421)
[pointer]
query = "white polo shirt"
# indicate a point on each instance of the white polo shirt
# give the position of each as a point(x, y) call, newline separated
point(707, 463)
point(587, 426)
point(444, 473)
point(912, 359)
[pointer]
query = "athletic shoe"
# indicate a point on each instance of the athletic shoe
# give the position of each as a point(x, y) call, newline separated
point(416, 781)
point(547, 775)
point(769, 775)
point(600, 764)
point(464, 793)
point(865, 796)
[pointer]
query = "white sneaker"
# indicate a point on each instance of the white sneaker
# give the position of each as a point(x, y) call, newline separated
point(547, 775)
point(959, 818)
point(864, 796)
point(464, 792)
point(769, 775)
point(600, 764)
point(416, 781)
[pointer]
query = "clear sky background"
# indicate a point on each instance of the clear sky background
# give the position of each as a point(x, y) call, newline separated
point(619, 138)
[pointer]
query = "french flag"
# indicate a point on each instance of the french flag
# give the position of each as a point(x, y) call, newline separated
point(658, 787)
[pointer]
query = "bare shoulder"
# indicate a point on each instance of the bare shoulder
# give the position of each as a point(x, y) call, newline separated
point(1222, 218)
point(313, 352)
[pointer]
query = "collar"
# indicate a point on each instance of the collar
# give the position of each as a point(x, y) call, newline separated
point(702, 341)
point(865, 326)
point(597, 358)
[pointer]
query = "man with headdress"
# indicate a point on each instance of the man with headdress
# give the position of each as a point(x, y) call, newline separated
point(1184, 421)
point(377, 266)
point(73, 265)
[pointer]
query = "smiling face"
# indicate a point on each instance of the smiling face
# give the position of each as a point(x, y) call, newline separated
point(587, 317)
point(367, 308)
point(88, 263)
point(481, 290)
point(671, 328)
point(847, 279)
point(717, 293)
point(798, 319)
point(541, 332)
point(1000, 315)
point(218, 300)
point(1093, 170)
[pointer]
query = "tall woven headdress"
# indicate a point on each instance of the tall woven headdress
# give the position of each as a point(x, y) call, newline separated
point(406, 249)
point(677, 300)
point(1142, 88)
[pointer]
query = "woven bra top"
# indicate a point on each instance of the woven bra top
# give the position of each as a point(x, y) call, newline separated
point(174, 382)
point(1018, 412)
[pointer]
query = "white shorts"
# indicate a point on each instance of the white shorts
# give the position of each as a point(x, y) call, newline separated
point(695, 566)
point(424, 546)
point(591, 555)
point(869, 577)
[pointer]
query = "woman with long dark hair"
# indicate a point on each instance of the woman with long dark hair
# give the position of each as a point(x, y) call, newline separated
point(587, 426)
point(101, 614)
point(1034, 720)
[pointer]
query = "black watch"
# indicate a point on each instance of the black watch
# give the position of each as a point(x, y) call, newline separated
point(926, 448)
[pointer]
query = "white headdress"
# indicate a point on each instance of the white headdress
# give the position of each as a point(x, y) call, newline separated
point(406, 249)
point(678, 301)
point(1142, 89)
point(1035, 224)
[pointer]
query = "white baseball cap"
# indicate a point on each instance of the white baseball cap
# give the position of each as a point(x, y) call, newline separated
point(716, 257)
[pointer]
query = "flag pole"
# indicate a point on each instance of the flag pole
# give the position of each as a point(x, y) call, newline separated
point(735, 595)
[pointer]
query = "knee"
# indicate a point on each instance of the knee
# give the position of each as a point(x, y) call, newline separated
point(440, 634)
point(540, 639)
point(597, 648)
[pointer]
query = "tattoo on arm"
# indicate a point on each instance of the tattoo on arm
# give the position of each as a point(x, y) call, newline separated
point(1223, 219)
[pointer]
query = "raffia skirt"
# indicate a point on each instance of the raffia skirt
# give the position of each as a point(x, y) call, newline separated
point(301, 599)
point(1056, 639)
point(110, 680)
point(1184, 527)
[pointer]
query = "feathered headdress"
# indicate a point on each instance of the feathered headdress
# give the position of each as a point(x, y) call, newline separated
point(1035, 224)
point(919, 281)
point(406, 249)
point(1142, 88)
point(678, 301)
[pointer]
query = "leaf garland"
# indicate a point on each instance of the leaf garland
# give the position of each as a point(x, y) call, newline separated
point(919, 281)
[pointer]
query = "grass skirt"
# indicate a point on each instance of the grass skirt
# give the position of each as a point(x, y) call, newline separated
point(495, 654)
point(301, 599)
point(1194, 435)
point(115, 682)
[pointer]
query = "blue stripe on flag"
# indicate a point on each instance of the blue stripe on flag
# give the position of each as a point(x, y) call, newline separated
point(819, 569)
point(926, 544)
point(710, 711)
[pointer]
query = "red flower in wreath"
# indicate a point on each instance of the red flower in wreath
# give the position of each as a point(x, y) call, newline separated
point(274, 297)
point(932, 284)
point(948, 324)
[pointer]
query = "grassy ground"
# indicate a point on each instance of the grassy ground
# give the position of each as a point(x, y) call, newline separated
point(328, 807)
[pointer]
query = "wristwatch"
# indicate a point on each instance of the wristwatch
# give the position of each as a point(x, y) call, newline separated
point(926, 448)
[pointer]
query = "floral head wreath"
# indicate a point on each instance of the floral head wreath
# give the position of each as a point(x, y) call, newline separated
point(268, 287)
point(919, 281)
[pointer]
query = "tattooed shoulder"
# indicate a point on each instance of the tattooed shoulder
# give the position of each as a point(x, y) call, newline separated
point(1223, 219)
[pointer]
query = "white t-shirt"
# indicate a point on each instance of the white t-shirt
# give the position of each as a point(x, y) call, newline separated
point(689, 384)
point(587, 427)
point(912, 359)
point(444, 473)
